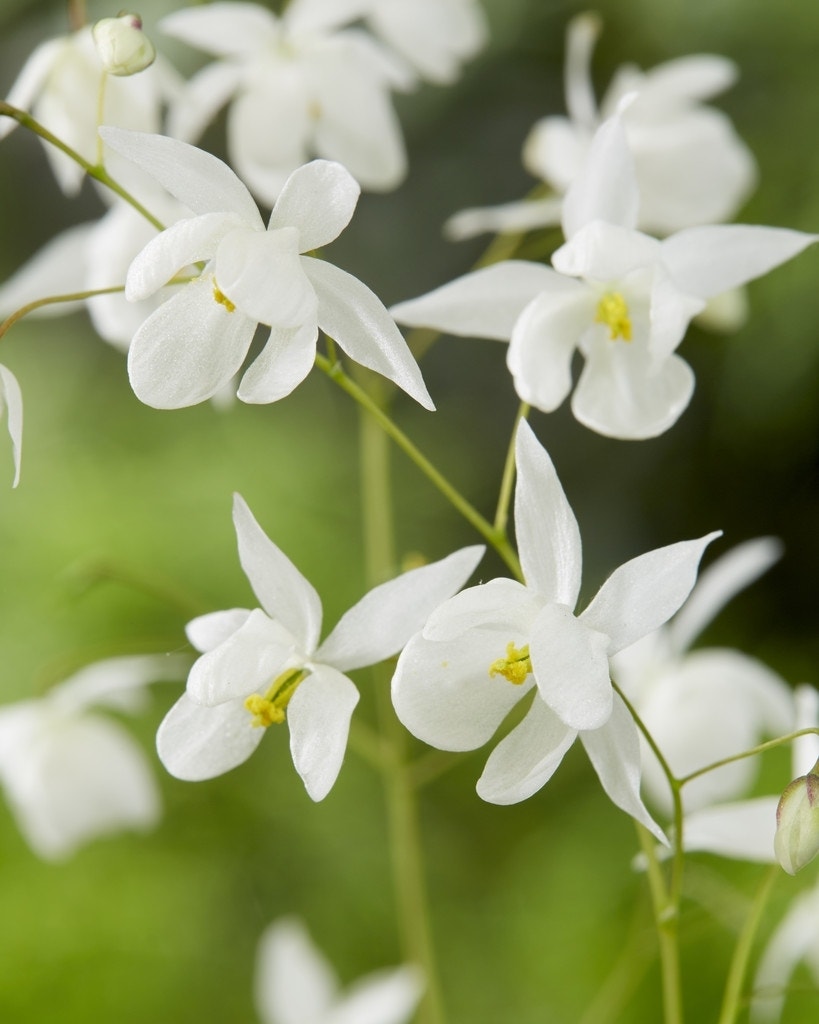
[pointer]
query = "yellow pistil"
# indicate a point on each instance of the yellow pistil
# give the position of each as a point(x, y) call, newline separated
point(515, 667)
point(612, 310)
point(269, 708)
point(220, 297)
point(264, 711)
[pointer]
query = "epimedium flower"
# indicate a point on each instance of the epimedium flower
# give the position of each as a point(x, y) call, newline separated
point(691, 166)
point(620, 297)
point(11, 403)
point(197, 340)
point(72, 774)
point(259, 668)
point(489, 647)
point(296, 985)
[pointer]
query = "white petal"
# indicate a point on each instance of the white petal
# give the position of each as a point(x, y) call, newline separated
point(356, 318)
point(544, 340)
point(247, 660)
point(319, 715)
point(208, 631)
point(793, 940)
point(581, 35)
point(706, 261)
point(501, 604)
point(722, 580)
point(188, 349)
point(281, 589)
point(545, 526)
point(605, 252)
point(379, 625)
point(383, 997)
point(526, 759)
point(59, 268)
point(284, 362)
point(606, 186)
point(743, 830)
point(571, 668)
point(614, 751)
point(201, 98)
point(116, 682)
point(319, 200)
point(223, 28)
point(805, 748)
point(200, 180)
point(11, 400)
point(294, 984)
point(196, 742)
point(32, 77)
point(524, 215)
point(670, 313)
point(483, 304)
point(310, 16)
point(645, 592)
point(555, 150)
point(695, 77)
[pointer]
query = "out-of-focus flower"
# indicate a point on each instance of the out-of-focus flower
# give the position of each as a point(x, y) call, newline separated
point(70, 773)
point(691, 166)
point(123, 47)
point(261, 667)
point(622, 298)
point(197, 340)
point(296, 985)
point(297, 87)
point(797, 822)
point(11, 403)
point(487, 648)
point(60, 86)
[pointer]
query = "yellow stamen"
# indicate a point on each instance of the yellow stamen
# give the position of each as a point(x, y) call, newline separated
point(269, 708)
point(220, 297)
point(612, 310)
point(264, 711)
point(515, 667)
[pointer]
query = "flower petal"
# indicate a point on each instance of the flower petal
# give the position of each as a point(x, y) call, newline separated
point(196, 742)
point(606, 186)
point(571, 668)
point(356, 318)
point(793, 940)
point(223, 29)
point(319, 200)
point(743, 830)
point(284, 362)
point(208, 631)
point(645, 592)
point(59, 268)
point(31, 79)
point(198, 102)
point(319, 715)
point(383, 997)
point(200, 180)
point(606, 252)
point(508, 218)
point(545, 526)
point(502, 605)
point(188, 349)
point(117, 683)
point(379, 625)
point(293, 981)
point(483, 304)
point(526, 759)
point(581, 36)
point(281, 589)
point(11, 399)
point(614, 751)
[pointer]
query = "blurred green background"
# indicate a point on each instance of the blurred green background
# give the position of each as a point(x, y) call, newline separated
point(532, 904)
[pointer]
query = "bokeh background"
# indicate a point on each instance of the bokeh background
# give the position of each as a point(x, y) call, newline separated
point(121, 527)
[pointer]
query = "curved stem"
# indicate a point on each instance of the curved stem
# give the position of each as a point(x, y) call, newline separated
point(508, 479)
point(494, 537)
point(742, 952)
point(52, 300)
point(760, 749)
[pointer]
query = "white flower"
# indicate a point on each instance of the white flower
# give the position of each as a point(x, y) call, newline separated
point(197, 340)
point(691, 166)
point(60, 86)
point(11, 403)
point(622, 298)
point(296, 985)
point(263, 666)
point(488, 647)
point(71, 774)
point(296, 88)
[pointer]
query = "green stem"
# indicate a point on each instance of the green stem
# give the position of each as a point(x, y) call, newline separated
point(760, 749)
point(95, 171)
point(742, 952)
point(493, 537)
point(628, 971)
point(85, 575)
point(665, 920)
point(52, 300)
point(508, 479)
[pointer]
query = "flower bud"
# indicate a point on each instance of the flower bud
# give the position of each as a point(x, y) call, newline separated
point(123, 47)
point(797, 822)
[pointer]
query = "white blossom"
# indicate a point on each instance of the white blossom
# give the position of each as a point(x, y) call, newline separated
point(11, 403)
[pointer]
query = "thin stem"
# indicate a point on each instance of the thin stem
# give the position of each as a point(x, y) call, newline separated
point(77, 16)
point(742, 952)
point(631, 965)
point(92, 170)
point(760, 749)
point(497, 540)
point(665, 919)
point(85, 575)
point(508, 479)
point(52, 300)
point(101, 117)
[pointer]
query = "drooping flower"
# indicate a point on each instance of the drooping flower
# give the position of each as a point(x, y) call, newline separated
point(296, 985)
point(71, 774)
point(622, 298)
point(11, 403)
point(297, 87)
point(197, 340)
point(492, 645)
point(262, 667)
point(691, 166)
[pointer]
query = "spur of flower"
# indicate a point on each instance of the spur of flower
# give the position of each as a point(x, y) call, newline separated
point(296, 985)
point(503, 642)
point(620, 297)
point(262, 667)
point(246, 274)
point(70, 773)
point(11, 403)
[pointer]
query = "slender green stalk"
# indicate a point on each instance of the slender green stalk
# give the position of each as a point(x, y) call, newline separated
point(508, 479)
point(665, 919)
point(497, 540)
point(759, 749)
point(742, 952)
point(52, 300)
point(85, 575)
point(101, 118)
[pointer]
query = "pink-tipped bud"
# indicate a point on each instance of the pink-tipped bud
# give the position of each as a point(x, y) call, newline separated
point(797, 822)
point(123, 47)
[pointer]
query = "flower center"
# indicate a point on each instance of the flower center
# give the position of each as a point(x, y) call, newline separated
point(515, 667)
point(220, 297)
point(269, 708)
point(612, 310)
